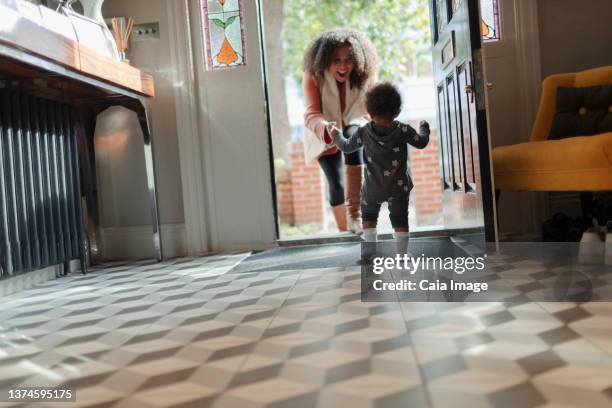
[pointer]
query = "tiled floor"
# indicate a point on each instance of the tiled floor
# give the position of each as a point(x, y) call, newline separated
point(192, 333)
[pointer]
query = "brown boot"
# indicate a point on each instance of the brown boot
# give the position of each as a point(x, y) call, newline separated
point(353, 178)
point(340, 216)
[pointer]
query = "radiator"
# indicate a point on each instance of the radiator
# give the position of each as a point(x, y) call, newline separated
point(40, 206)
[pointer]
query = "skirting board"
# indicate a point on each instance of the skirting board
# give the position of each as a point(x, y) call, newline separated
point(17, 283)
point(130, 243)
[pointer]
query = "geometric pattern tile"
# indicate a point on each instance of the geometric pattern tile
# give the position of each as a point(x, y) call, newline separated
point(195, 332)
point(521, 395)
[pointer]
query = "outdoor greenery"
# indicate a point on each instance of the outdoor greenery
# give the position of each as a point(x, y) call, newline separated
point(399, 30)
point(299, 230)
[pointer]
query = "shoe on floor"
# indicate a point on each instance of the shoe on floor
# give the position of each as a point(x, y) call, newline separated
point(592, 246)
point(354, 226)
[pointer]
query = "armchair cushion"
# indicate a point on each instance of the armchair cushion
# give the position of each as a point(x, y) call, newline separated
point(582, 111)
point(572, 164)
point(548, 100)
point(580, 163)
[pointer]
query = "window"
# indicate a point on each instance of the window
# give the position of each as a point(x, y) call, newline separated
point(223, 33)
point(490, 24)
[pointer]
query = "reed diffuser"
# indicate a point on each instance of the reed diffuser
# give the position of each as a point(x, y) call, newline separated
point(122, 29)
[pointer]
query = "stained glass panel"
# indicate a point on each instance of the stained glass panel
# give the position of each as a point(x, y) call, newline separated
point(490, 23)
point(223, 33)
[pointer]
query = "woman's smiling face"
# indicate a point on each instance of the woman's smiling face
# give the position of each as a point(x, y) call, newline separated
point(342, 63)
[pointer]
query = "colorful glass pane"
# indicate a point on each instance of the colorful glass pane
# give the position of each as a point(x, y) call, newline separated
point(223, 33)
point(490, 23)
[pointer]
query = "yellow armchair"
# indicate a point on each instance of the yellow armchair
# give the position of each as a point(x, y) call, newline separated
point(582, 163)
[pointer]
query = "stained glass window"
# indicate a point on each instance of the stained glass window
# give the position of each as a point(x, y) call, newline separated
point(223, 33)
point(490, 23)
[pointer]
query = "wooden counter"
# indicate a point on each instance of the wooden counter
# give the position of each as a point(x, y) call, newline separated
point(24, 35)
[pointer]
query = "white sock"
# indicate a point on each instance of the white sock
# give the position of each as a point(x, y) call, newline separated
point(369, 235)
point(401, 242)
point(368, 248)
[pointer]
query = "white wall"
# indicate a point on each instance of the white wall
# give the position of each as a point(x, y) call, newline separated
point(574, 35)
point(568, 36)
point(124, 205)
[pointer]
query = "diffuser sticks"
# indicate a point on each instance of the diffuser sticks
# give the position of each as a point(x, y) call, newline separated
point(122, 29)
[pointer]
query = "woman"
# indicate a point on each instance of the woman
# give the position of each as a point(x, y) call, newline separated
point(339, 66)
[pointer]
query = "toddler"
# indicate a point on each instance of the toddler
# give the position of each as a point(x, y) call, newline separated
point(384, 141)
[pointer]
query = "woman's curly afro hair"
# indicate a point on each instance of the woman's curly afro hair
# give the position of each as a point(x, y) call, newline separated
point(319, 54)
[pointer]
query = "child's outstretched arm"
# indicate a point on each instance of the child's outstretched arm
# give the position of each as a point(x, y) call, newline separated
point(418, 139)
point(349, 145)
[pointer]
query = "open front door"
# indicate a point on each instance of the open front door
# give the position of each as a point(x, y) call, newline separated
point(460, 99)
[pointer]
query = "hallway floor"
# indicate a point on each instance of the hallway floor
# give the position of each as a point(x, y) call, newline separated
point(201, 333)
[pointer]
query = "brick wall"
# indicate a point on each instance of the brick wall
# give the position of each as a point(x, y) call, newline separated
point(427, 184)
point(301, 192)
point(284, 193)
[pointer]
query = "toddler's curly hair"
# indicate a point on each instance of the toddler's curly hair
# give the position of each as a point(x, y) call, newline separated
point(383, 99)
point(319, 54)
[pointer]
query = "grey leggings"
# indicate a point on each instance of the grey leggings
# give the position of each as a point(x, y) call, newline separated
point(332, 168)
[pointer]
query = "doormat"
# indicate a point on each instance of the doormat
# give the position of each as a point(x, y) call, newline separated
point(313, 256)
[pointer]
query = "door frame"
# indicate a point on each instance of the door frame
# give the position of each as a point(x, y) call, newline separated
point(487, 182)
point(264, 74)
point(488, 191)
point(203, 234)
point(195, 162)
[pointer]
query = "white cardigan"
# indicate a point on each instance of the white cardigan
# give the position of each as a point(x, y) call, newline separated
point(354, 114)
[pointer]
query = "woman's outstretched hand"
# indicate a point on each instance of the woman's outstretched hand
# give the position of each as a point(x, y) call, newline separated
point(331, 128)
